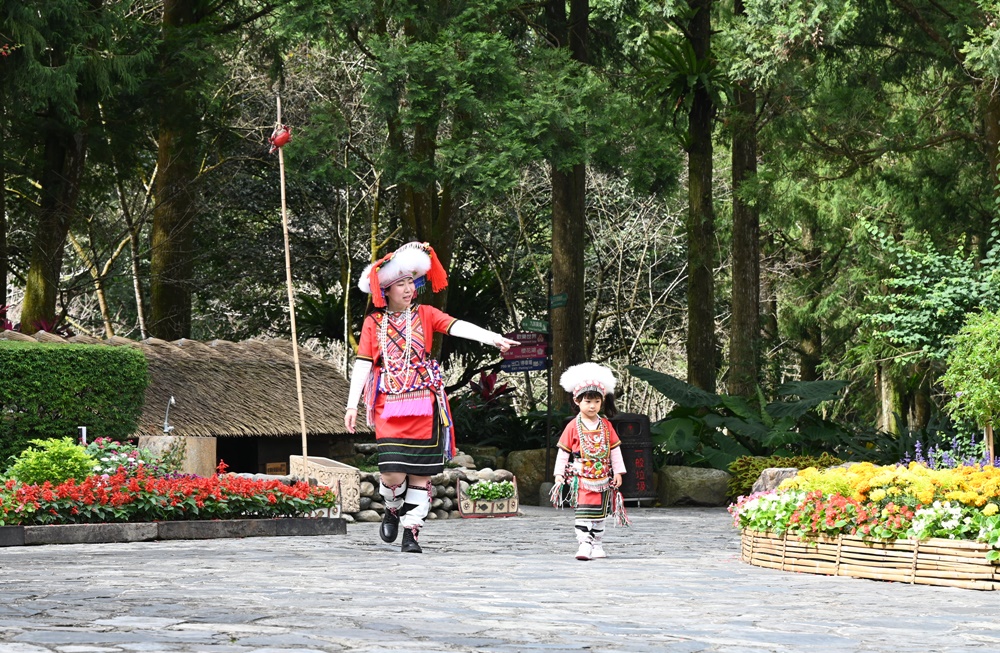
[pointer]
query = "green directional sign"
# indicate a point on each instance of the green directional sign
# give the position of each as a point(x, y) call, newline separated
point(534, 325)
point(558, 301)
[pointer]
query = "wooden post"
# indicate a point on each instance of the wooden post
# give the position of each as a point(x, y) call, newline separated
point(291, 306)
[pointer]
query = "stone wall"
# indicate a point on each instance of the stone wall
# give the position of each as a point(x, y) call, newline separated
point(444, 505)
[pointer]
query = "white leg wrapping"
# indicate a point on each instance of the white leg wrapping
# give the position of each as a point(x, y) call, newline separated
point(583, 534)
point(415, 507)
point(392, 494)
point(597, 531)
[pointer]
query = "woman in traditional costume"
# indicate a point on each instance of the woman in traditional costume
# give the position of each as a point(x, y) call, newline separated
point(590, 457)
point(403, 387)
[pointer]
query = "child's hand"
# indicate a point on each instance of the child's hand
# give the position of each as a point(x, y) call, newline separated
point(559, 480)
point(617, 482)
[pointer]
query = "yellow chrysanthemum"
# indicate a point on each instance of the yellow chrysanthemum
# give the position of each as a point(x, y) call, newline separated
point(877, 494)
point(990, 509)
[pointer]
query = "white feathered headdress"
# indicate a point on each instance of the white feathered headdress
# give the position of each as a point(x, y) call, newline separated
point(588, 377)
point(413, 260)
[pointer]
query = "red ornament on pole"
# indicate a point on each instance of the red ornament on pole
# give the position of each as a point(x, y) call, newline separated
point(280, 137)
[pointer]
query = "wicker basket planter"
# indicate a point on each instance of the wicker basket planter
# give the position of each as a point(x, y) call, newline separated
point(952, 563)
point(469, 509)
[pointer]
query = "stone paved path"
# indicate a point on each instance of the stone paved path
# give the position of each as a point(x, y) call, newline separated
point(673, 583)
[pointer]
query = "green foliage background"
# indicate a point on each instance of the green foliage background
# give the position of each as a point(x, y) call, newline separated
point(48, 390)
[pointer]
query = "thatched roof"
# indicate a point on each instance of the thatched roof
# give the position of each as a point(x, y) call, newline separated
point(225, 388)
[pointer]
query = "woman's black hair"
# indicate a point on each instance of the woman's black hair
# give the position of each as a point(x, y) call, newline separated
point(607, 402)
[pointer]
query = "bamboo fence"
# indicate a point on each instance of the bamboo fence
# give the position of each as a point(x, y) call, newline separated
point(952, 563)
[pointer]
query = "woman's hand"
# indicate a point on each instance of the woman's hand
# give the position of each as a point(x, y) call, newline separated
point(351, 419)
point(505, 343)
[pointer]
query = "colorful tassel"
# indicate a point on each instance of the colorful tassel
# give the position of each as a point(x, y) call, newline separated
point(618, 509)
point(574, 492)
point(555, 495)
point(437, 274)
point(378, 297)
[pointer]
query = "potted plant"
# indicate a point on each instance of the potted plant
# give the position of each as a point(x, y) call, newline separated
point(488, 499)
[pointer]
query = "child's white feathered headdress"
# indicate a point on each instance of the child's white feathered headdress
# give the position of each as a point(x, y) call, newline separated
point(414, 260)
point(588, 377)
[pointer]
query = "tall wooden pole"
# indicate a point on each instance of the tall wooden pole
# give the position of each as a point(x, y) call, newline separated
point(291, 305)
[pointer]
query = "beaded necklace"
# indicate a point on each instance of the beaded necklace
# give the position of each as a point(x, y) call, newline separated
point(398, 364)
point(594, 444)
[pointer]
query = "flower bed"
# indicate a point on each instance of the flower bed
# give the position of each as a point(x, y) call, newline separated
point(118, 498)
point(912, 523)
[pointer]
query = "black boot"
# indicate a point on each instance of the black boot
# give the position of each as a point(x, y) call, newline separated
point(410, 541)
point(390, 526)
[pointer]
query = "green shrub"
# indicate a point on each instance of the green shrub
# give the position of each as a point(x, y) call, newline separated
point(52, 460)
point(48, 390)
point(490, 490)
point(746, 469)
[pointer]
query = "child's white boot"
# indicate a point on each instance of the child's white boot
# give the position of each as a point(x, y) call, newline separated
point(597, 546)
point(586, 540)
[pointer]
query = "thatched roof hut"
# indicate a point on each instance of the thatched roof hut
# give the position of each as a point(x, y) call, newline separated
point(227, 389)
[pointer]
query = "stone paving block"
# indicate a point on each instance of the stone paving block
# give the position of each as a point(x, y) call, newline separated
point(316, 526)
point(89, 533)
point(210, 530)
point(11, 535)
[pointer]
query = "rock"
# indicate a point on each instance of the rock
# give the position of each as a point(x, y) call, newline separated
point(367, 489)
point(543, 493)
point(366, 503)
point(367, 516)
point(446, 503)
point(348, 517)
point(378, 508)
point(440, 514)
point(450, 492)
point(464, 460)
point(471, 475)
point(464, 486)
point(487, 474)
point(436, 503)
point(772, 477)
point(531, 467)
point(432, 515)
point(438, 491)
point(504, 475)
point(691, 486)
point(366, 448)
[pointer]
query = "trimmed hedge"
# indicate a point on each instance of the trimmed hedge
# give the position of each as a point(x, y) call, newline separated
point(48, 390)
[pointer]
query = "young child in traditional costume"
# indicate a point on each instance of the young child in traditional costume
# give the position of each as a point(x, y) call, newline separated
point(590, 457)
point(403, 387)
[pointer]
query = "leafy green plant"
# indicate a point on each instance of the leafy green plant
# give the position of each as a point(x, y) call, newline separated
point(711, 430)
point(490, 490)
point(972, 369)
point(52, 460)
point(483, 415)
point(746, 470)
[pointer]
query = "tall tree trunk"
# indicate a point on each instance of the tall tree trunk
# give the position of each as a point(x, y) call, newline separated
point(810, 353)
point(744, 326)
point(175, 213)
point(63, 159)
point(890, 404)
point(701, 216)
point(569, 200)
